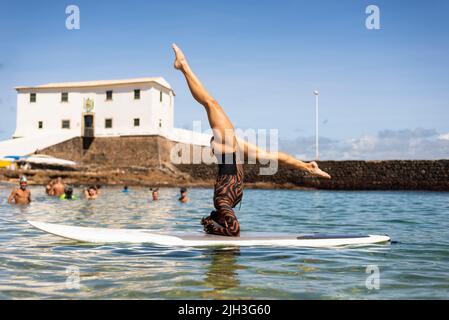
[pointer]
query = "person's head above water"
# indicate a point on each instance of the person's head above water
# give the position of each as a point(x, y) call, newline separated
point(183, 197)
point(154, 193)
point(23, 182)
point(92, 190)
point(68, 192)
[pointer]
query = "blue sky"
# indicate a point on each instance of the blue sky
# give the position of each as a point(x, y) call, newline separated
point(261, 60)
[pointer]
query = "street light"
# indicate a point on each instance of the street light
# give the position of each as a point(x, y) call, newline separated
point(316, 93)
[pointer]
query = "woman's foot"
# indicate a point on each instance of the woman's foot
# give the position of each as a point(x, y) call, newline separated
point(180, 61)
point(314, 170)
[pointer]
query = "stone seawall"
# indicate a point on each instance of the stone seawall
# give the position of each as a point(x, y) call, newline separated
point(148, 158)
point(349, 175)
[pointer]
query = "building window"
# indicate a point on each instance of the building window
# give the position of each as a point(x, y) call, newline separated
point(137, 94)
point(137, 122)
point(160, 123)
point(32, 97)
point(160, 96)
point(108, 123)
point(64, 97)
point(40, 124)
point(109, 95)
point(65, 124)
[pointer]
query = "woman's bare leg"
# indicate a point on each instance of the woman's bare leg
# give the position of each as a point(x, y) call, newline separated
point(224, 130)
point(222, 127)
point(254, 152)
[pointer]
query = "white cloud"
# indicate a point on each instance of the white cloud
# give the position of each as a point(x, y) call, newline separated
point(385, 145)
point(364, 143)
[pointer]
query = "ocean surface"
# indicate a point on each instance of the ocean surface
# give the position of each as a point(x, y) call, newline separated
point(36, 265)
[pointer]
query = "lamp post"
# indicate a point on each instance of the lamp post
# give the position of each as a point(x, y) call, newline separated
point(316, 93)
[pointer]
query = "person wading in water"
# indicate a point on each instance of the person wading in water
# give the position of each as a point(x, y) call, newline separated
point(21, 195)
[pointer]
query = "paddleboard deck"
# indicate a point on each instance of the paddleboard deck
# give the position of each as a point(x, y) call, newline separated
point(106, 235)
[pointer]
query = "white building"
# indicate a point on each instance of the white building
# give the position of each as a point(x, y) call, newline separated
point(141, 106)
point(52, 113)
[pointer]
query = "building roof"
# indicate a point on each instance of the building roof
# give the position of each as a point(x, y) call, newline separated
point(98, 83)
point(28, 145)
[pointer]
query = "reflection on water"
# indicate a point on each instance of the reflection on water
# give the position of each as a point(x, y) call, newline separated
point(34, 264)
point(222, 272)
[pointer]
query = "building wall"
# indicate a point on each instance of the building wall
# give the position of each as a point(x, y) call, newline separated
point(123, 109)
point(162, 116)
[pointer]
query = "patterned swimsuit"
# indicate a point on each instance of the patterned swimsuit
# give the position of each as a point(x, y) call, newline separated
point(228, 192)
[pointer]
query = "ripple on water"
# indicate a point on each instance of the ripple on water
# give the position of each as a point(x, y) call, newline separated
point(37, 265)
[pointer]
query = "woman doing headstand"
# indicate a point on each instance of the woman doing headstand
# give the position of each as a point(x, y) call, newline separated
point(228, 190)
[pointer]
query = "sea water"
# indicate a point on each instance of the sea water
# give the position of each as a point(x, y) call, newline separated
point(37, 265)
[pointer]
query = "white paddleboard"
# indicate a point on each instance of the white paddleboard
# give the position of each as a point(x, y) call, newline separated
point(106, 235)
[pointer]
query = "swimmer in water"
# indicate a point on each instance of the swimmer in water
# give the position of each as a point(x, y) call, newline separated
point(58, 188)
point(21, 195)
point(68, 194)
point(155, 193)
point(49, 187)
point(125, 189)
point(183, 198)
point(90, 193)
point(228, 190)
